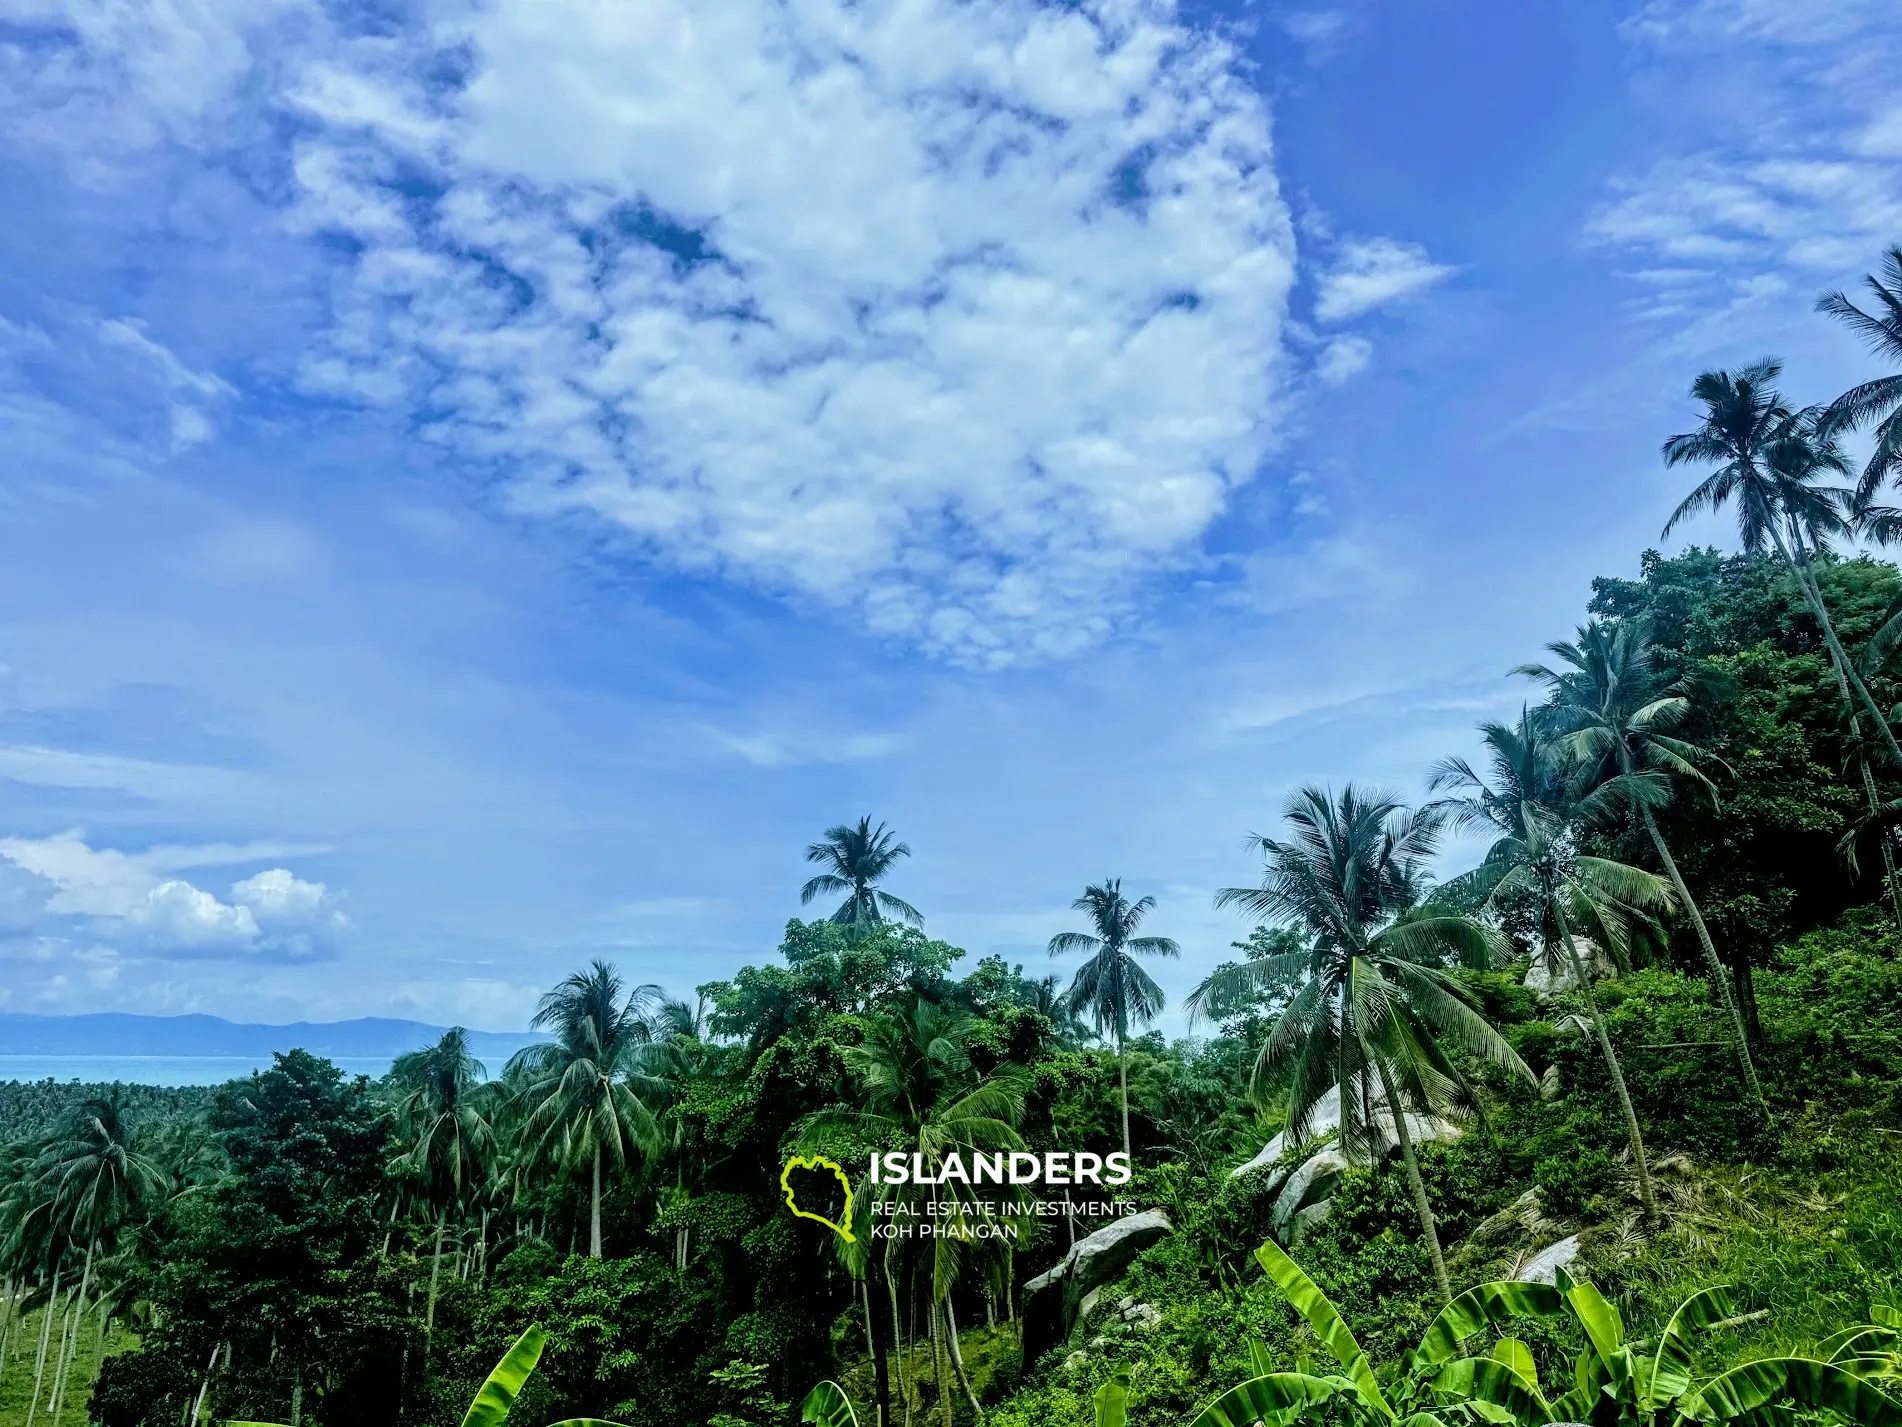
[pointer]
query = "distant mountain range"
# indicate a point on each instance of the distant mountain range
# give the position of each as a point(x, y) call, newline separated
point(115, 1033)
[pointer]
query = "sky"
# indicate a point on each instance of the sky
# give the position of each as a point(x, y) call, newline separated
point(484, 485)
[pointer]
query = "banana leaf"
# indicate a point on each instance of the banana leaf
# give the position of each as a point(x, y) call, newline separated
point(828, 1406)
point(1325, 1320)
point(492, 1403)
point(1669, 1377)
point(1517, 1356)
point(1750, 1393)
point(1487, 1380)
point(1269, 1399)
point(1479, 1308)
point(1601, 1323)
point(1259, 1358)
point(1112, 1402)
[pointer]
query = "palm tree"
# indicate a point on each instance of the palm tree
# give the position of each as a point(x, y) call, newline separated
point(1110, 988)
point(1880, 400)
point(858, 857)
point(451, 1142)
point(1377, 1006)
point(582, 1091)
point(917, 1090)
point(1620, 724)
point(91, 1182)
point(1536, 856)
point(1769, 459)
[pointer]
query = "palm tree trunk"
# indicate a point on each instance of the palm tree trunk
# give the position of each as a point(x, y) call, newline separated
point(594, 1210)
point(297, 1395)
point(898, 1339)
point(1875, 803)
point(46, 1337)
point(1429, 1226)
point(957, 1359)
point(1122, 1075)
point(1583, 973)
point(881, 1358)
point(1813, 596)
point(77, 1319)
point(435, 1272)
point(938, 1355)
point(1719, 977)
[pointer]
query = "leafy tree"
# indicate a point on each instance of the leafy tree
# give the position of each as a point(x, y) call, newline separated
point(582, 1091)
point(1621, 728)
point(1376, 1004)
point(1110, 988)
point(858, 858)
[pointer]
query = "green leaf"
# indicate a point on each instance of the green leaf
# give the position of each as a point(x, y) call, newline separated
point(492, 1403)
point(1670, 1375)
point(586, 1422)
point(1259, 1358)
point(1488, 1380)
point(1517, 1356)
point(1601, 1322)
point(828, 1406)
point(1325, 1320)
point(1112, 1402)
point(1750, 1391)
point(1885, 1315)
point(1267, 1398)
point(1479, 1308)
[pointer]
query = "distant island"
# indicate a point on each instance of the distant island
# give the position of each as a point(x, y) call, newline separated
point(116, 1033)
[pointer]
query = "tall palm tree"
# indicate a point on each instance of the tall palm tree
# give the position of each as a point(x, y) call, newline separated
point(442, 1118)
point(583, 1091)
point(1768, 460)
point(1377, 1007)
point(1880, 400)
point(858, 857)
point(1620, 724)
point(917, 1090)
point(1535, 855)
point(1110, 989)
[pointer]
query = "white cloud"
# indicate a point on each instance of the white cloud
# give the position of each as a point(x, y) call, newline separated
point(1343, 359)
point(1784, 132)
point(130, 897)
point(960, 315)
point(1371, 272)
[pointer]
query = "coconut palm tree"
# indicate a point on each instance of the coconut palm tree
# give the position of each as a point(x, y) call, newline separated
point(582, 1093)
point(1878, 401)
point(442, 1116)
point(1619, 725)
point(1768, 460)
point(1535, 856)
point(858, 857)
point(917, 1090)
point(1376, 1008)
point(1110, 989)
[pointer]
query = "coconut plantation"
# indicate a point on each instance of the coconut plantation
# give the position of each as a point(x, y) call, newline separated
point(1567, 1089)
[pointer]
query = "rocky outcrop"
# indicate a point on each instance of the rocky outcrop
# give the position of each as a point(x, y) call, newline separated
point(1551, 972)
point(1544, 1266)
point(1054, 1301)
point(1300, 1179)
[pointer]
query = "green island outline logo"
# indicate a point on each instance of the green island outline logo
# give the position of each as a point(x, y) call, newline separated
point(818, 1161)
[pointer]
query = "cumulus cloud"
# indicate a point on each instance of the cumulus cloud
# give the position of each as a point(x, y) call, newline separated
point(963, 316)
point(1801, 178)
point(1371, 272)
point(130, 898)
point(1343, 359)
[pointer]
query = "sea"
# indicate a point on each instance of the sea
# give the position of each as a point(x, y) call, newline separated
point(162, 1069)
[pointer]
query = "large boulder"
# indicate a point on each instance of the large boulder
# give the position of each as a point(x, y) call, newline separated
point(1053, 1301)
point(1543, 1267)
point(1551, 971)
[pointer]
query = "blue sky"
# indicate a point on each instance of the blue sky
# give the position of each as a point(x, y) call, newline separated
point(486, 484)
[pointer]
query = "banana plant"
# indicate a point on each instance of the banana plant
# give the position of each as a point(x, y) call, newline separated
point(828, 1406)
point(1435, 1382)
point(504, 1384)
point(1616, 1381)
point(1871, 1350)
